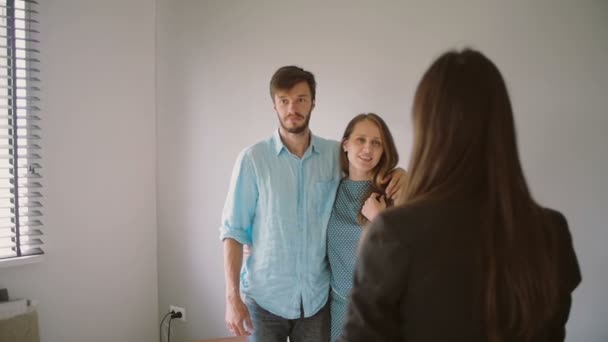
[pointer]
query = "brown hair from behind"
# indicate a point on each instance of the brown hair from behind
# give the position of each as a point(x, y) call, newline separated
point(465, 146)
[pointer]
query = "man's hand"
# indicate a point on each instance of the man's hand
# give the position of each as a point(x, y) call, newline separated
point(397, 183)
point(374, 204)
point(238, 320)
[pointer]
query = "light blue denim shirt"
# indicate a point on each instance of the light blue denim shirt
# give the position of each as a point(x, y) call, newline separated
point(280, 204)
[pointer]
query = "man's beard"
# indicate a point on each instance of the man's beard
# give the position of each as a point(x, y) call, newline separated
point(296, 129)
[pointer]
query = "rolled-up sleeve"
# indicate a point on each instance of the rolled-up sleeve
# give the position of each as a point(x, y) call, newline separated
point(241, 201)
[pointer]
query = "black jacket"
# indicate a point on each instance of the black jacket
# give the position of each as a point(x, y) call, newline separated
point(417, 277)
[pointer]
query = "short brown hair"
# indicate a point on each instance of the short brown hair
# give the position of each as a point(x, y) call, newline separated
point(287, 77)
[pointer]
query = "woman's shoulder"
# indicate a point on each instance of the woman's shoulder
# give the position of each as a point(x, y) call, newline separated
point(436, 211)
point(558, 222)
point(417, 221)
point(566, 252)
point(555, 215)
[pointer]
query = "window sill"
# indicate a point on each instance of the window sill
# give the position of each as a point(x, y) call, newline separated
point(21, 261)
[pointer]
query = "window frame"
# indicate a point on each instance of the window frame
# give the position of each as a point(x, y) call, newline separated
point(22, 142)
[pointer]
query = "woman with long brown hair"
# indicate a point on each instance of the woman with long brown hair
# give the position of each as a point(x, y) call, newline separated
point(470, 256)
point(368, 155)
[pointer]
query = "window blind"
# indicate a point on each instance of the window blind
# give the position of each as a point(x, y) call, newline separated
point(20, 185)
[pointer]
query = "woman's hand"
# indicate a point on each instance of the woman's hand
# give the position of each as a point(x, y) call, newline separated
point(373, 205)
point(397, 183)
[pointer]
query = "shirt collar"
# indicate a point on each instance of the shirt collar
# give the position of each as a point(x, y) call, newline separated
point(279, 146)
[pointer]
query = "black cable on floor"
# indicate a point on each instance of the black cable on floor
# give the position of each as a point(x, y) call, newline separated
point(169, 331)
point(160, 332)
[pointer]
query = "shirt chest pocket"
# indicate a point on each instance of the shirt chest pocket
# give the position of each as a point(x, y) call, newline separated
point(323, 196)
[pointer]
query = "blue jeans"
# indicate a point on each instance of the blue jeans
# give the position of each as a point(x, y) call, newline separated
point(268, 327)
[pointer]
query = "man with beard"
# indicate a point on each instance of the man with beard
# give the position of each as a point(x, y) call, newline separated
point(279, 202)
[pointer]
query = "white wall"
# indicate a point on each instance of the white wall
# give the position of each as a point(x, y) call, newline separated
point(99, 279)
point(214, 61)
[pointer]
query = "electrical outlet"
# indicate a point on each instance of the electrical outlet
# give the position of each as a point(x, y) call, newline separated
point(178, 309)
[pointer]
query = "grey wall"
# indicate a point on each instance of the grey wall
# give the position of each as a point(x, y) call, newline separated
point(98, 281)
point(214, 61)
